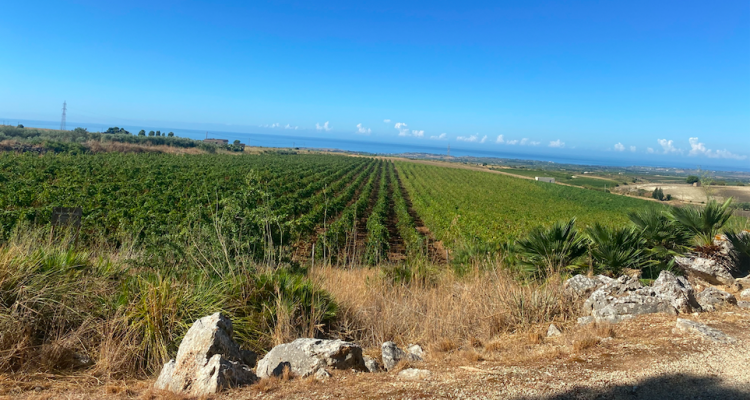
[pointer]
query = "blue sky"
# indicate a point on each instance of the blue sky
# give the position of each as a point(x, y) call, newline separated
point(613, 79)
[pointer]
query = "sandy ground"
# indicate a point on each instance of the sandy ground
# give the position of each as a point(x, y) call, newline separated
point(691, 194)
point(638, 359)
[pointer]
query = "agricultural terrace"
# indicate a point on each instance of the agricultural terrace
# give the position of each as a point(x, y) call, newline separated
point(459, 204)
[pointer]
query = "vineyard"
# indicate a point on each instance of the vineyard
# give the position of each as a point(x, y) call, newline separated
point(273, 207)
point(460, 205)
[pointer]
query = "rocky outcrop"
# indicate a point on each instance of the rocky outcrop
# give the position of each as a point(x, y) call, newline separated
point(711, 298)
point(716, 271)
point(208, 360)
point(392, 354)
point(704, 331)
point(305, 357)
point(745, 294)
point(582, 285)
point(624, 297)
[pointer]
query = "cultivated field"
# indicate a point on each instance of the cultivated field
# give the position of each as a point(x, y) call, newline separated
point(492, 208)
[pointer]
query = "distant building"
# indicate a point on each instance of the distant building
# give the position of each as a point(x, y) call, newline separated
point(697, 184)
point(216, 141)
point(544, 179)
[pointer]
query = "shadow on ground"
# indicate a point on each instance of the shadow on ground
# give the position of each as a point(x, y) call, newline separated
point(665, 387)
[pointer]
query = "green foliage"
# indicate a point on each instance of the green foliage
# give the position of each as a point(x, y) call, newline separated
point(658, 194)
point(705, 223)
point(664, 238)
point(459, 205)
point(151, 133)
point(552, 249)
point(142, 133)
point(616, 248)
point(693, 179)
point(116, 131)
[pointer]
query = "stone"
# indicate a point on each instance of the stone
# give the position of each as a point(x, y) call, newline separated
point(601, 297)
point(677, 290)
point(208, 360)
point(322, 374)
point(582, 285)
point(743, 304)
point(413, 374)
point(305, 357)
point(553, 331)
point(624, 297)
point(710, 270)
point(585, 320)
point(416, 350)
point(372, 364)
point(704, 331)
point(392, 354)
point(745, 294)
point(711, 298)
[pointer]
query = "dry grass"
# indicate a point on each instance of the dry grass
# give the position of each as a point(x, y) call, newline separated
point(470, 310)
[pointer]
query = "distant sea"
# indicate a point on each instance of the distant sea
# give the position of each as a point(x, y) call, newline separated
point(264, 140)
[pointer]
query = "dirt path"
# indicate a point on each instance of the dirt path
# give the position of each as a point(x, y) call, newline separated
point(638, 359)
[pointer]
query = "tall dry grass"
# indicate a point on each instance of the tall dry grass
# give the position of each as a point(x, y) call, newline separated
point(444, 310)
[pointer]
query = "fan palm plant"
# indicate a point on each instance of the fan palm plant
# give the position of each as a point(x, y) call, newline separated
point(704, 223)
point(553, 248)
point(664, 238)
point(614, 249)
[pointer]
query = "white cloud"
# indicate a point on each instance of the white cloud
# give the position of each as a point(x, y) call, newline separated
point(387, 121)
point(668, 146)
point(524, 141)
point(512, 142)
point(557, 143)
point(324, 127)
point(649, 150)
point(404, 131)
point(276, 125)
point(471, 138)
point(619, 147)
point(442, 136)
point(484, 139)
point(535, 143)
point(699, 149)
point(291, 127)
point(362, 130)
point(500, 139)
point(632, 148)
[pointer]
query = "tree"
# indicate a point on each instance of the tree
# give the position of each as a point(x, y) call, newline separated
point(158, 133)
point(151, 133)
point(170, 134)
point(142, 133)
point(693, 179)
point(658, 194)
point(236, 142)
point(20, 126)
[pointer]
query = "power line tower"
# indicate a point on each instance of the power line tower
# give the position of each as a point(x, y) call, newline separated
point(449, 150)
point(62, 121)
